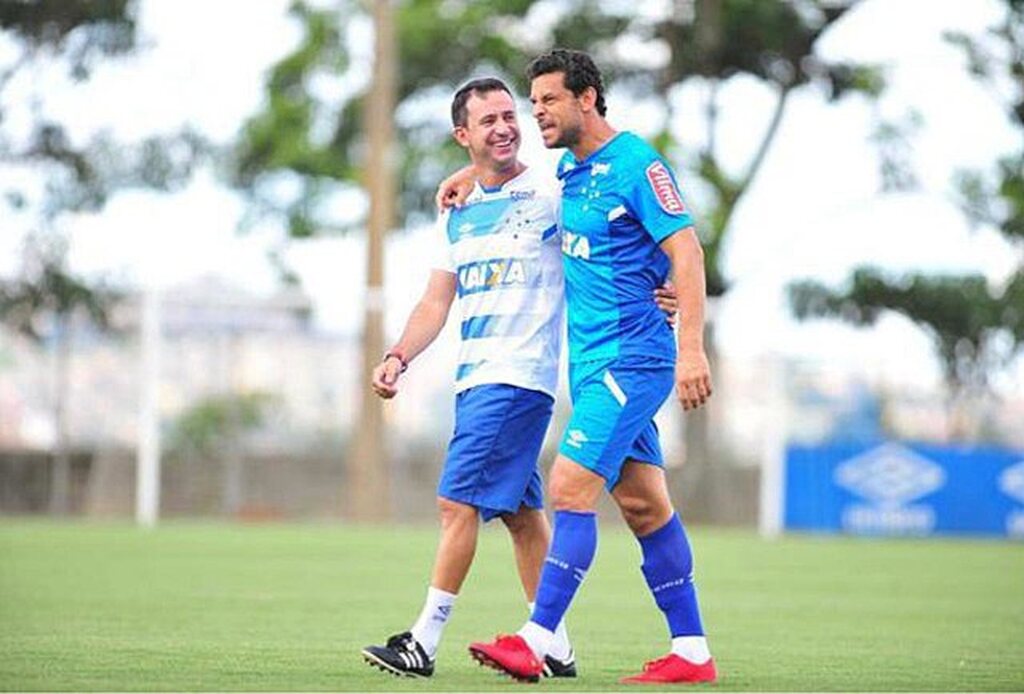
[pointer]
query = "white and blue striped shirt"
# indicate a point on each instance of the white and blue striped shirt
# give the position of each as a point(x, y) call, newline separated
point(504, 247)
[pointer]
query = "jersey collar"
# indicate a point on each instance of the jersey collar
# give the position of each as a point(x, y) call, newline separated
point(570, 163)
point(490, 190)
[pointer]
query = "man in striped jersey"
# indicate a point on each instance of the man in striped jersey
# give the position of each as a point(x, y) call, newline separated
point(501, 255)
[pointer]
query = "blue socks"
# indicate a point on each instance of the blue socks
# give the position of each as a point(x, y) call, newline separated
point(668, 568)
point(573, 546)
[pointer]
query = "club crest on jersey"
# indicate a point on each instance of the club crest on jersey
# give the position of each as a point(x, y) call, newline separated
point(575, 245)
point(665, 188)
point(490, 274)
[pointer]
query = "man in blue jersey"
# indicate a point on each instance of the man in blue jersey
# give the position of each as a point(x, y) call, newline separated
point(500, 254)
point(625, 230)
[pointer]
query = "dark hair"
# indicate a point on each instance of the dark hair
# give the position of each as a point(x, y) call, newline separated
point(578, 70)
point(480, 86)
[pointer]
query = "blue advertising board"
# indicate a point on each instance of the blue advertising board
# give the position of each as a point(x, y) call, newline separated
point(904, 489)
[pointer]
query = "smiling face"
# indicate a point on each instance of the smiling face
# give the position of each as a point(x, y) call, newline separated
point(558, 112)
point(491, 131)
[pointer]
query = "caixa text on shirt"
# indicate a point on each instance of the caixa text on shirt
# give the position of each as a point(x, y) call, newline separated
point(491, 274)
point(575, 245)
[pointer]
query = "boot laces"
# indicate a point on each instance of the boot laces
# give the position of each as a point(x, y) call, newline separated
point(657, 664)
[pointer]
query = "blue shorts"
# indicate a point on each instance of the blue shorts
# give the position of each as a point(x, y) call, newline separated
point(492, 458)
point(613, 408)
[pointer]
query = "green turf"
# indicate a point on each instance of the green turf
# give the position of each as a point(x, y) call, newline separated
point(221, 607)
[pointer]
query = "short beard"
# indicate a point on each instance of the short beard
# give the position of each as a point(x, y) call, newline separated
point(568, 138)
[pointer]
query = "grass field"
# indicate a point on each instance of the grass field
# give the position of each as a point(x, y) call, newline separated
point(222, 607)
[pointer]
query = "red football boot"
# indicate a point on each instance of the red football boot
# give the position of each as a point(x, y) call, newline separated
point(673, 669)
point(511, 655)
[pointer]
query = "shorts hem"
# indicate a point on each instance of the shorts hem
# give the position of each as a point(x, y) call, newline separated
point(489, 513)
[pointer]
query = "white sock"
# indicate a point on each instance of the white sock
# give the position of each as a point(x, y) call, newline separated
point(537, 638)
point(560, 648)
point(692, 648)
point(432, 620)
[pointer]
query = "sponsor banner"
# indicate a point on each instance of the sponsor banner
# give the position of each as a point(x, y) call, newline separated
point(904, 489)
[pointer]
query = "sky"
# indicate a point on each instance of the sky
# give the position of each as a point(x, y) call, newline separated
point(814, 210)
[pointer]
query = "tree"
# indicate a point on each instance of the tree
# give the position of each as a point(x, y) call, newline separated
point(368, 473)
point(59, 174)
point(977, 326)
point(76, 35)
point(46, 304)
point(305, 147)
point(712, 42)
point(215, 429)
point(302, 151)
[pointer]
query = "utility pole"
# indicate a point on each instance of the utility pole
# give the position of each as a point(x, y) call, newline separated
point(369, 465)
point(147, 475)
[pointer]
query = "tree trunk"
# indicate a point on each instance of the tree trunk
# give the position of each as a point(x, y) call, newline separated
point(708, 33)
point(697, 487)
point(60, 488)
point(368, 463)
point(232, 491)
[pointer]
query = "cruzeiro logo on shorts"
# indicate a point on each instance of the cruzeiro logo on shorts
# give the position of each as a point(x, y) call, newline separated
point(484, 275)
point(889, 478)
point(665, 189)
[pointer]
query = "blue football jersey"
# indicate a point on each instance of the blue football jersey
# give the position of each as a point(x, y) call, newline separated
point(617, 206)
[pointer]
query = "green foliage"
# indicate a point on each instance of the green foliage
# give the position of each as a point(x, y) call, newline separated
point(894, 142)
point(285, 141)
point(81, 176)
point(288, 136)
point(217, 421)
point(81, 30)
point(968, 320)
point(772, 41)
point(432, 54)
point(280, 138)
point(77, 177)
point(444, 43)
point(996, 60)
point(46, 297)
point(847, 78)
point(995, 198)
point(977, 327)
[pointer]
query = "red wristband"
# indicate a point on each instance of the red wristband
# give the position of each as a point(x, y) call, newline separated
point(399, 356)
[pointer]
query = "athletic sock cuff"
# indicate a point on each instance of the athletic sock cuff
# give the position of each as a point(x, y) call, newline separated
point(670, 528)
